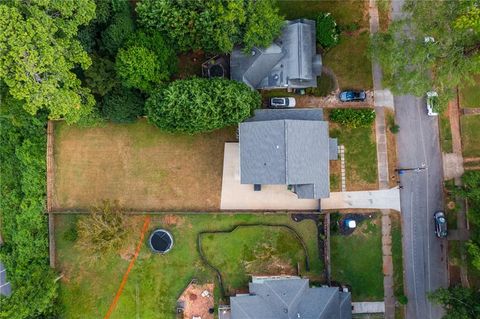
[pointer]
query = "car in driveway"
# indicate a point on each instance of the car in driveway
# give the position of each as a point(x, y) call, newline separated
point(282, 102)
point(432, 103)
point(352, 96)
point(440, 224)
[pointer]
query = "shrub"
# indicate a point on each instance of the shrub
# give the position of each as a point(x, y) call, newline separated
point(201, 105)
point(100, 77)
point(392, 126)
point(120, 30)
point(138, 68)
point(145, 62)
point(103, 231)
point(353, 117)
point(122, 105)
point(328, 33)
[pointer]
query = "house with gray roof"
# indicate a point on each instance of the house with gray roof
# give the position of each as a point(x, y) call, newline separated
point(289, 147)
point(290, 298)
point(290, 62)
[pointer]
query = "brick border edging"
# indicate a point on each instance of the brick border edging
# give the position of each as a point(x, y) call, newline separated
point(50, 178)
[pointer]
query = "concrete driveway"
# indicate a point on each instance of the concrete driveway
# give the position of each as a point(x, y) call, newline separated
point(236, 196)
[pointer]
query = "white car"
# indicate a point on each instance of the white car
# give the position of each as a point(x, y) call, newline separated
point(282, 102)
point(432, 103)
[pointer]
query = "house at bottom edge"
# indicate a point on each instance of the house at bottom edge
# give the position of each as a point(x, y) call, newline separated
point(288, 298)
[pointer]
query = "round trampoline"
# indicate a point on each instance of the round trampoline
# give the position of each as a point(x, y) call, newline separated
point(160, 241)
point(216, 70)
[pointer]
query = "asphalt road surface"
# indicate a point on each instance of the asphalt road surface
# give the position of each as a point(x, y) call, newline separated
point(424, 253)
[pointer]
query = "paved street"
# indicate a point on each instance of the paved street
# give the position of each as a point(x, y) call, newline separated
point(424, 254)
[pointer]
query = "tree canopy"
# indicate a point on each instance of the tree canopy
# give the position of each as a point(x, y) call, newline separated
point(415, 64)
point(458, 302)
point(39, 51)
point(22, 211)
point(201, 105)
point(212, 25)
point(146, 61)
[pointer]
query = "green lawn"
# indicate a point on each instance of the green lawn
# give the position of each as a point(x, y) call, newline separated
point(360, 155)
point(348, 60)
point(253, 250)
point(445, 133)
point(345, 12)
point(357, 260)
point(470, 127)
point(397, 254)
point(88, 287)
point(470, 95)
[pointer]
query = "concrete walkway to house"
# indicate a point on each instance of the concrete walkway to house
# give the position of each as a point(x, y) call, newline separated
point(383, 98)
point(378, 199)
point(368, 307)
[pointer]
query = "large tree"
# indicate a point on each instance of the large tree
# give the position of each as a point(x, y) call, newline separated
point(212, 25)
point(39, 52)
point(458, 302)
point(201, 105)
point(415, 63)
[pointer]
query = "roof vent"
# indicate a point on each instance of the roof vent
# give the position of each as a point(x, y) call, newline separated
point(253, 52)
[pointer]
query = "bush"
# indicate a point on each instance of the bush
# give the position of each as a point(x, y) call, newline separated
point(392, 126)
point(145, 62)
point(101, 77)
point(123, 105)
point(103, 231)
point(328, 33)
point(120, 30)
point(353, 117)
point(138, 68)
point(201, 105)
point(402, 299)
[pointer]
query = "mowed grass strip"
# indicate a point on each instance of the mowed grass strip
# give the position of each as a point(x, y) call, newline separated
point(470, 127)
point(253, 250)
point(139, 165)
point(470, 95)
point(360, 155)
point(156, 281)
point(357, 260)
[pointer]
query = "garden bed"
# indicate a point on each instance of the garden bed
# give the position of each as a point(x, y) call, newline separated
point(156, 281)
point(138, 165)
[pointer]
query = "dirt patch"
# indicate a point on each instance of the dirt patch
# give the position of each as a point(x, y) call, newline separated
point(174, 220)
point(190, 64)
point(142, 167)
point(197, 301)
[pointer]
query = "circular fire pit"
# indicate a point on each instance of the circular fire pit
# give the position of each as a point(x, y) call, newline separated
point(160, 241)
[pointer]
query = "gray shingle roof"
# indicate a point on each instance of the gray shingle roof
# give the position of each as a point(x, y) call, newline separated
point(289, 147)
point(291, 61)
point(290, 298)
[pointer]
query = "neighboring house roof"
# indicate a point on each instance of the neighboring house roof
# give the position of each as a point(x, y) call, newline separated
point(291, 61)
point(290, 298)
point(289, 147)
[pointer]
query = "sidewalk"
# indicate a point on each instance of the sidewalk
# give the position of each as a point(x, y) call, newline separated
point(385, 99)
